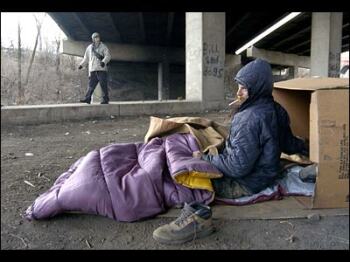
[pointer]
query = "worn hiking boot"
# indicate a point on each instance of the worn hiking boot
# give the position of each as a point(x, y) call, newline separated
point(194, 222)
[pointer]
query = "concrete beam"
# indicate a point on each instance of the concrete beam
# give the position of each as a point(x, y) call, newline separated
point(81, 23)
point(130, 53)
point(293, 36)
point(279, 58)
point(232, 60)
point(307, 42)
point(170, 26)
point(142, 28)
point(114, 26)
point(238, 23)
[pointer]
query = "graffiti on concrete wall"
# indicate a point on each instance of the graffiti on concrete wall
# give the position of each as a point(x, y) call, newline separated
point(334, 64)
point(212, 62)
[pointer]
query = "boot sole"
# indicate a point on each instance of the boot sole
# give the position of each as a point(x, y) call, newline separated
point(201, 234)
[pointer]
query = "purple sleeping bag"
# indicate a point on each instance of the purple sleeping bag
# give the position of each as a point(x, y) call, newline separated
point(126, 182)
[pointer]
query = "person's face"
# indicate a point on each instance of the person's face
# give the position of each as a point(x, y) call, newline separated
point(96, 39)
point(242, 93)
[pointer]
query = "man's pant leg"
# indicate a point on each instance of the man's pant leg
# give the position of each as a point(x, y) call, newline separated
point(93, 81)
point(102, 78)
point(229, 188)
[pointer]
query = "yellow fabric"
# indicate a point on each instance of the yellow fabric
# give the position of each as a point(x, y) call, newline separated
point(196, 180)
point(209, 135)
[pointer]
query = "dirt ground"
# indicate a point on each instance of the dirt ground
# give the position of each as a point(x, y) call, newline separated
point(56, 146)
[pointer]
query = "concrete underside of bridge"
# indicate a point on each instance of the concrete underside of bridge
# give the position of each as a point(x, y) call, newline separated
point(187, 66)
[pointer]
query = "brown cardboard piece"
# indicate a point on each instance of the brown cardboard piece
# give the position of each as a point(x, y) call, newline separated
point(319, 110)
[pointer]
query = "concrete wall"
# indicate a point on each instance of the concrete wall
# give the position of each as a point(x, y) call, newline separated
point(23, 115)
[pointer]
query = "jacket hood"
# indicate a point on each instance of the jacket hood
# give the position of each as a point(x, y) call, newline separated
point(257, 77)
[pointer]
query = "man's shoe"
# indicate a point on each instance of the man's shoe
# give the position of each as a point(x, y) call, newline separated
point(104, 103)
point(85, 101)
point(194, 222)
point(308, 174)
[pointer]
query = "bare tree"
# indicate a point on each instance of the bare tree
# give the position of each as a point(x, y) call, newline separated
point(58, 61)
point(38, 27)
point(20, 96)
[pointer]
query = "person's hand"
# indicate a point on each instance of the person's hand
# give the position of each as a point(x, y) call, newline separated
point(197, 154)
point(102, 64)
point(80, 67)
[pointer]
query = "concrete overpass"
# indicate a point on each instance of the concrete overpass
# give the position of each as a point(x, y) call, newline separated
point(190, 56)
point(169, 42)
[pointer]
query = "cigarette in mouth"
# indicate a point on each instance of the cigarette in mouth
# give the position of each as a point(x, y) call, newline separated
point(239, 99)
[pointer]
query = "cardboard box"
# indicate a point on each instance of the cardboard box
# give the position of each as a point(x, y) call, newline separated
point(319, 110)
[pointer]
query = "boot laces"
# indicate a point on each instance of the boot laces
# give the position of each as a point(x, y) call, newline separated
point(184, 215)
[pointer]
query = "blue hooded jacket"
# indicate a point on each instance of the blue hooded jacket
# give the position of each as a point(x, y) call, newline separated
point(259, 132)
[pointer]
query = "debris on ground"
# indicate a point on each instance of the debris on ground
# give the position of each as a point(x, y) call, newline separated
point(88, 243)
point(129, 239)
point(314, 217)
point(112, 117)
point(291, 238)
point(94, 122)
point(66, 134)
point(28, 183)
point(11, 156)
point(29, 154)
point(42, 176)
point(23, 241)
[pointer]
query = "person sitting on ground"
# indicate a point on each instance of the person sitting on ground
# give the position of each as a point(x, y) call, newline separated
point(260, 131)
point(250, 161)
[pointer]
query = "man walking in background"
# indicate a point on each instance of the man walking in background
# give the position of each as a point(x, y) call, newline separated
point(96, 57)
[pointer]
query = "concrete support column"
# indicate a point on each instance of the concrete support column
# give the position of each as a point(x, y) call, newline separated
point(163, 80)
point(326, 42)
point(295, 71)
point(292, 72)
point(205, 58)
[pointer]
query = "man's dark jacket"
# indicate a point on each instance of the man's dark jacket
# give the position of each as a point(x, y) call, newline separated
point(259, 132)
